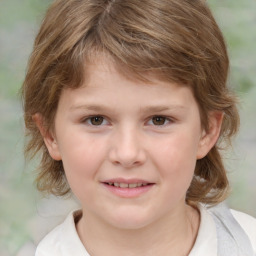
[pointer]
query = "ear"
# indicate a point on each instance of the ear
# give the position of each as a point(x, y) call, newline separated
point(49, 138)
point(210, 137)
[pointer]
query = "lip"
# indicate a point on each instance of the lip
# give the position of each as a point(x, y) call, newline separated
point(128, 192)
point(126, 181)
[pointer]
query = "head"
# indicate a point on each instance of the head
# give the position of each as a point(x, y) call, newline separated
point(173, 41)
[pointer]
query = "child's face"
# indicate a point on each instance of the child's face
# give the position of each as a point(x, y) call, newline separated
point(115, 130)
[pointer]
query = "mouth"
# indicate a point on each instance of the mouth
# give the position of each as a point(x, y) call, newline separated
point(128, 188)
point(127, 185)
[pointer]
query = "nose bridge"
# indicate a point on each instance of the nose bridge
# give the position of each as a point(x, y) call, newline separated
point(127, 149)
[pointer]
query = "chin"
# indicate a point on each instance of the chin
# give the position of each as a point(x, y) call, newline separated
point(130, 220)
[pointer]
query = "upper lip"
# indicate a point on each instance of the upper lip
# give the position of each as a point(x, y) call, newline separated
point(127, 181)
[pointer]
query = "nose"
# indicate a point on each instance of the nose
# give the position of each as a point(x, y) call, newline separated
point(127, 148)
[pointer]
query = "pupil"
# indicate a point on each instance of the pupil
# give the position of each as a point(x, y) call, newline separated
point(158, 120)
point(97, 120)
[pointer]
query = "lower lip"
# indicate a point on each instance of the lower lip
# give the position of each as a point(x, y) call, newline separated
point(128, 192)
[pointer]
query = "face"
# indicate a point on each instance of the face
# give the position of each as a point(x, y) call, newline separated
point(128, 148)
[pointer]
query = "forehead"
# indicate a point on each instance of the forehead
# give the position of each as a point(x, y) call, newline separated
point(137, 72)
point(104, 84)
point(105, 68)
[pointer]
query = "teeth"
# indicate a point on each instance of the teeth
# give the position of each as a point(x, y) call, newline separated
point(125, 185)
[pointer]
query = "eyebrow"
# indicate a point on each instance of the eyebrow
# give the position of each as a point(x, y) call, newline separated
point(160, 108)
point(89, 107)
point(157, 108)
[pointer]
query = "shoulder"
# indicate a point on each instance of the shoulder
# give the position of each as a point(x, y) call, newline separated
point(51, 242)
point(62, 240)
point(238, 228)
point(241, 227)
point(248, 223)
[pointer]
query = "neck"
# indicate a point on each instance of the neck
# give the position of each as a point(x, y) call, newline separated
point(174, 234)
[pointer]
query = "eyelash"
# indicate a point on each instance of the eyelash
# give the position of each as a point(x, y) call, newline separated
point(166, 119)
point(88, 120)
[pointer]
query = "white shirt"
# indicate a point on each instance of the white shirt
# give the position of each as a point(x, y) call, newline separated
point(64, 240)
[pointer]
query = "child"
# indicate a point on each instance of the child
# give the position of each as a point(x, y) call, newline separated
point(128, 102)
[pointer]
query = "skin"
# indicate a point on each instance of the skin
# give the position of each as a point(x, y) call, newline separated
point(149, 132)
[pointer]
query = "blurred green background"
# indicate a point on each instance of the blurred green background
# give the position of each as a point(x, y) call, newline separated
point(23, 213)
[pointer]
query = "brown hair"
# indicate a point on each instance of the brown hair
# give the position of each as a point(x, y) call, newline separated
point(177, 40)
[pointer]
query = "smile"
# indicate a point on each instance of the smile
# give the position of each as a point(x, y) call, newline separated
point(128, 188)
point(126, 185)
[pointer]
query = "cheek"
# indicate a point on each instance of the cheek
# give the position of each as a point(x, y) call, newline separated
point(176, 160)
point(82, 158)
point(177, 151)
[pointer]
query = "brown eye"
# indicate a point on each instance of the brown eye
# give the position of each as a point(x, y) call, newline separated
point(96, 120)
point(158, 120)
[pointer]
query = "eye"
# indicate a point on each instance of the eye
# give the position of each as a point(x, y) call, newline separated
point(159, 120)
point(96, 120)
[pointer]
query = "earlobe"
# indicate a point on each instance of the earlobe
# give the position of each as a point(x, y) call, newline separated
point(49, 138)
point(210, 137)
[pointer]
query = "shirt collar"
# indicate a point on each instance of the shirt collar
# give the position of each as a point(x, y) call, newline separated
point(206, 241)
point(70, 244)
